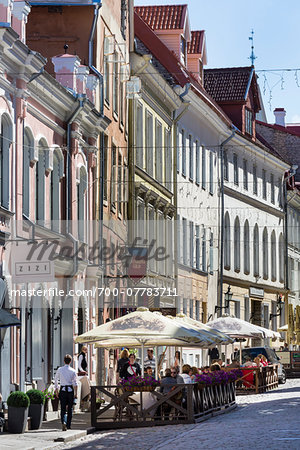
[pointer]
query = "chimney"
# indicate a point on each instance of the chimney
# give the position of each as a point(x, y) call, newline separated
point(65, 68)
point(20, 12)
point(82, 73)
point(279, 114)
point(6, 7)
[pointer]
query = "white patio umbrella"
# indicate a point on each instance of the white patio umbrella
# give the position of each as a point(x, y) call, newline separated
point(236, 328)
point(269, 333)
point(284, 327)
point(141, 328)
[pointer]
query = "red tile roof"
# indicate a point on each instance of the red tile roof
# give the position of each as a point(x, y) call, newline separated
point(290, 129)
point(229, 84)
point(197, 41)
point(160, 51)
point(163, 17)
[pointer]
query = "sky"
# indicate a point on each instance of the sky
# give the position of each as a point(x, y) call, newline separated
point(275, 23)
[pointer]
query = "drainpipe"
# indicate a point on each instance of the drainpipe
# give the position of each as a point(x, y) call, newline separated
point(186, 105)
point(222, 217)
point(293, 170)
point(91, 54)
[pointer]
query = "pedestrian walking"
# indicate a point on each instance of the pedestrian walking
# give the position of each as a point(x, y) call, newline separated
point(67, 378)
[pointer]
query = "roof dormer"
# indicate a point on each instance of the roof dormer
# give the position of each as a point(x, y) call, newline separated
point(171, 24)
point(197, 56)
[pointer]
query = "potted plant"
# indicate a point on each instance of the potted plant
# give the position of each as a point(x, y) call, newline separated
point(50, 395)
point(36, 408)
point(18, 403)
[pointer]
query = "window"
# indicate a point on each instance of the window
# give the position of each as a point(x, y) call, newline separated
point(179, 236)
point(237, 245)
point(184, 241)
point(183, 50)
point(113, 181)
point(139, 147)
point(256, 251)
point(116, 84)
point(226, 172)
point(5, 143)
point(177, 152)
point(106, 78)
point(197, 310)
point(254, 180)
point(122, 102)
point(247, 309)
point(28, 143)
point(81, 202)
point(197, 247)
point(191, 309)
point(149, 143)
point(168, 161)
point(211, 253)
point(237, 309)
point(246, 248)
point(273, 256)
point(204, 267)
point(203, 168)
point(105, 157)
point(191, 158)
point(158, 151)
point(245, 174)
point(227, 242)
point(55, 192)
point(191, 244)
point(197, 163)
point(211, 172)
point(235, 169)
point(123, 18)
point(265, 254)
point(272, 189)
point(280, 193)
point(119, 183)
point(40, 183)
point(248, 121)
point(264, 184)
point(183, 153)
point(281, 253)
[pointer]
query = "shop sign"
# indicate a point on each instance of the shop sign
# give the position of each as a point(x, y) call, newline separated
point(256, 292)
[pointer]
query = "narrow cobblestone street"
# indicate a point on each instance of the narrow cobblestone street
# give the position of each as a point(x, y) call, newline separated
point(268, 421)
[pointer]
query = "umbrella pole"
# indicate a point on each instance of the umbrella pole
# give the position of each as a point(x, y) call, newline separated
point(180, 359)
point(142, 358)
point(156, 363)
point(240, 353)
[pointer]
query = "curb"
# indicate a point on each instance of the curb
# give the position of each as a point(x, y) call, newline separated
point(71, 437)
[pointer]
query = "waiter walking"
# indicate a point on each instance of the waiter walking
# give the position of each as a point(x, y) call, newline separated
point(67, 378)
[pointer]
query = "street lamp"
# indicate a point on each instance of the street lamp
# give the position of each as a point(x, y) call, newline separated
point(228, 298)
point(279, 305)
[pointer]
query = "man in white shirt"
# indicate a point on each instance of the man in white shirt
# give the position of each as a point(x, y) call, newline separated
point(67, 378)
point(149, 361)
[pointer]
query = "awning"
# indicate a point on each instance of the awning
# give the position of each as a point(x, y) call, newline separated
point(8, 320)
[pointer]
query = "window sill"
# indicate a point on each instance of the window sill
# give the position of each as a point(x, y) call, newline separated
point(237, 270)
point(115, 116)
point(191, 180)
point(107, 104)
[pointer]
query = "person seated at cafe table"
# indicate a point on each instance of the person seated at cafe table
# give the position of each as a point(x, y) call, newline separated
point(263, 360)
point(214, 367)
point(234, 364)
point(167, 382)
point(186, 370)
point(248, 362)
point(149, 372)
point(205, 369)
point(175, 374)
point(194, 371)
point(131, 368)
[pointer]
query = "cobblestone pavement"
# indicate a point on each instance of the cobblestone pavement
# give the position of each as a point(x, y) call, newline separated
point(265, 421)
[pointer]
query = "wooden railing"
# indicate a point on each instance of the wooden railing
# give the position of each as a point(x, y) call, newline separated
point(256, 380)
point(185, 403)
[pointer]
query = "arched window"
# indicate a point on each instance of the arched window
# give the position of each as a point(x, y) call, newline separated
point(273, 256)
point(256, 251)
point(28, 145)
point(265, 254)
point(246, 248)
point(81, 202)
point(281, 251)
point(227, 241)
point(55, 189)
point(5, 149)
point(40, 181)
point(237, 245)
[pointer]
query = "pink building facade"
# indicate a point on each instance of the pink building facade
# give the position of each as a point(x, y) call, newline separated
point(49, 140)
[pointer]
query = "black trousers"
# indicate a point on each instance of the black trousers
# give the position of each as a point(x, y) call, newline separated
point(66, 404)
